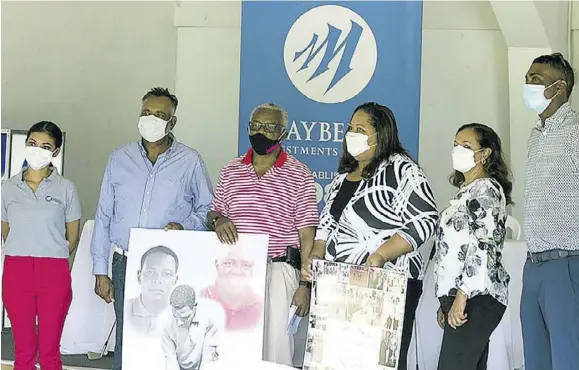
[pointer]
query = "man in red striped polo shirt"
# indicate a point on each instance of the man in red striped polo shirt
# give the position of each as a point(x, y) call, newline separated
point(270, 192)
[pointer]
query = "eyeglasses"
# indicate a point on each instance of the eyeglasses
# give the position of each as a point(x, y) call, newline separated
point(267, 127)
point(243, 266)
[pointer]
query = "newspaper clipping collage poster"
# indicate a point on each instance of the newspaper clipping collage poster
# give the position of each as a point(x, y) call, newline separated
point(356, 317)
point(192, 302)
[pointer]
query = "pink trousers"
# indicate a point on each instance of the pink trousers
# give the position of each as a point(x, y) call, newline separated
point(36, 287)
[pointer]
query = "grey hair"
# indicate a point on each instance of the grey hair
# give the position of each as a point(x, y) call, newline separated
point(272, 107)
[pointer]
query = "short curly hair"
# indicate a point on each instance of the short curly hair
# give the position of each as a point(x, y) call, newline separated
point(183, 296)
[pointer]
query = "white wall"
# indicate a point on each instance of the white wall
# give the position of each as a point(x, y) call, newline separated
point(209, 40)
point(86, 65)
point(464, 79)
point(209, 45)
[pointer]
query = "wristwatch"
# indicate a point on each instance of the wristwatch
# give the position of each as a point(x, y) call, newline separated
point(214, 220)
point(306, 284)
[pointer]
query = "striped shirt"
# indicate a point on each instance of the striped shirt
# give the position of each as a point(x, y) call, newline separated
point(279, 203)
point(552, 183)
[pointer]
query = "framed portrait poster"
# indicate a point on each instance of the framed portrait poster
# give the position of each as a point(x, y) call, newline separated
point(191, 301)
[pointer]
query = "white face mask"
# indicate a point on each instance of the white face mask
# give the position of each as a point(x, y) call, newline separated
point(152, 128)
point(463, 159)
point(534, 96)
point(37, 158)
point(357, 143)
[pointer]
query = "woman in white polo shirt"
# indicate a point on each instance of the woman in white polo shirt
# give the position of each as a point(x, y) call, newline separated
point(40, 229)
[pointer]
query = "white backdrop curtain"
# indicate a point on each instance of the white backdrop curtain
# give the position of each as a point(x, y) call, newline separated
point(89, 318)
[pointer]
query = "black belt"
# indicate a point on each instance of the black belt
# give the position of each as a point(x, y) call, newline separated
point(284, 258)
point(278, 259)
point(291, 257)
point(554, 254)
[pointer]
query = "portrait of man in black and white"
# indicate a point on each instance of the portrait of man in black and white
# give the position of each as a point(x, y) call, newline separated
point(197, 284)
point(191, 330)
point(156, 277)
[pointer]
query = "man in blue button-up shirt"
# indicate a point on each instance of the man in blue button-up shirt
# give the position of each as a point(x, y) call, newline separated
point(154, 183)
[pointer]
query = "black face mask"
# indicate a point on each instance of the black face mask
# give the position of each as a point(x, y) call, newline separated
point(263, 145)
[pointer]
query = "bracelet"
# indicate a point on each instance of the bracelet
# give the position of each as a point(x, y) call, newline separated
point(305, 284)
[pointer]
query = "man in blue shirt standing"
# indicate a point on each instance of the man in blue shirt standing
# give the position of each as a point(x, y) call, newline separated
point(153, 183)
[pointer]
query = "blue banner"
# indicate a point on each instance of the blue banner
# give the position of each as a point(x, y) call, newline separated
point(319, 60)
point(4, 145)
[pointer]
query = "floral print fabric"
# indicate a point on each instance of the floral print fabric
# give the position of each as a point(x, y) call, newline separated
point(469, 241)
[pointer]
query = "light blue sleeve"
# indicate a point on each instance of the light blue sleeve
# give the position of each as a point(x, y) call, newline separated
point(202, 195)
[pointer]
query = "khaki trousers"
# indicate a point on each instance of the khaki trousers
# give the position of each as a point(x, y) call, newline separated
point(281, 283)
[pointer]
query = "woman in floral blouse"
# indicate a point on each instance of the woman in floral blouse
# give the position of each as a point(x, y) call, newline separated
point(471, 282)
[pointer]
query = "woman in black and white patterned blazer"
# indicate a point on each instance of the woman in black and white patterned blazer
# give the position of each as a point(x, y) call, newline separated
point(380, 208)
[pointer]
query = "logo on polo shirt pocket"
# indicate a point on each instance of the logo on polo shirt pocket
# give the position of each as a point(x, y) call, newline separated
point(51, 199)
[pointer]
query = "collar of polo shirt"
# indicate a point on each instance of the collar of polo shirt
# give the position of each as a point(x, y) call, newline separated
point(48, 178)
point(281, 158)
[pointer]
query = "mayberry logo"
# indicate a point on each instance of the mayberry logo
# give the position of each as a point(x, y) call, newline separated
point(330, 54)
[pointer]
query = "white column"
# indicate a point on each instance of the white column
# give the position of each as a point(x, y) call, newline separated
point(207, 78)
point(530, 29)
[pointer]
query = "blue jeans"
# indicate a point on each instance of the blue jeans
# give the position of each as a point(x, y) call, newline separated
point(550, 314)
point(119, 270)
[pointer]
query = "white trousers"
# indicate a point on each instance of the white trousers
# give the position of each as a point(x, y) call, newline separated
point(281, 283)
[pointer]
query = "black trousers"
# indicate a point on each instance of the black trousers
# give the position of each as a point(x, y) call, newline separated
point(413, 293)
point(467, 348)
